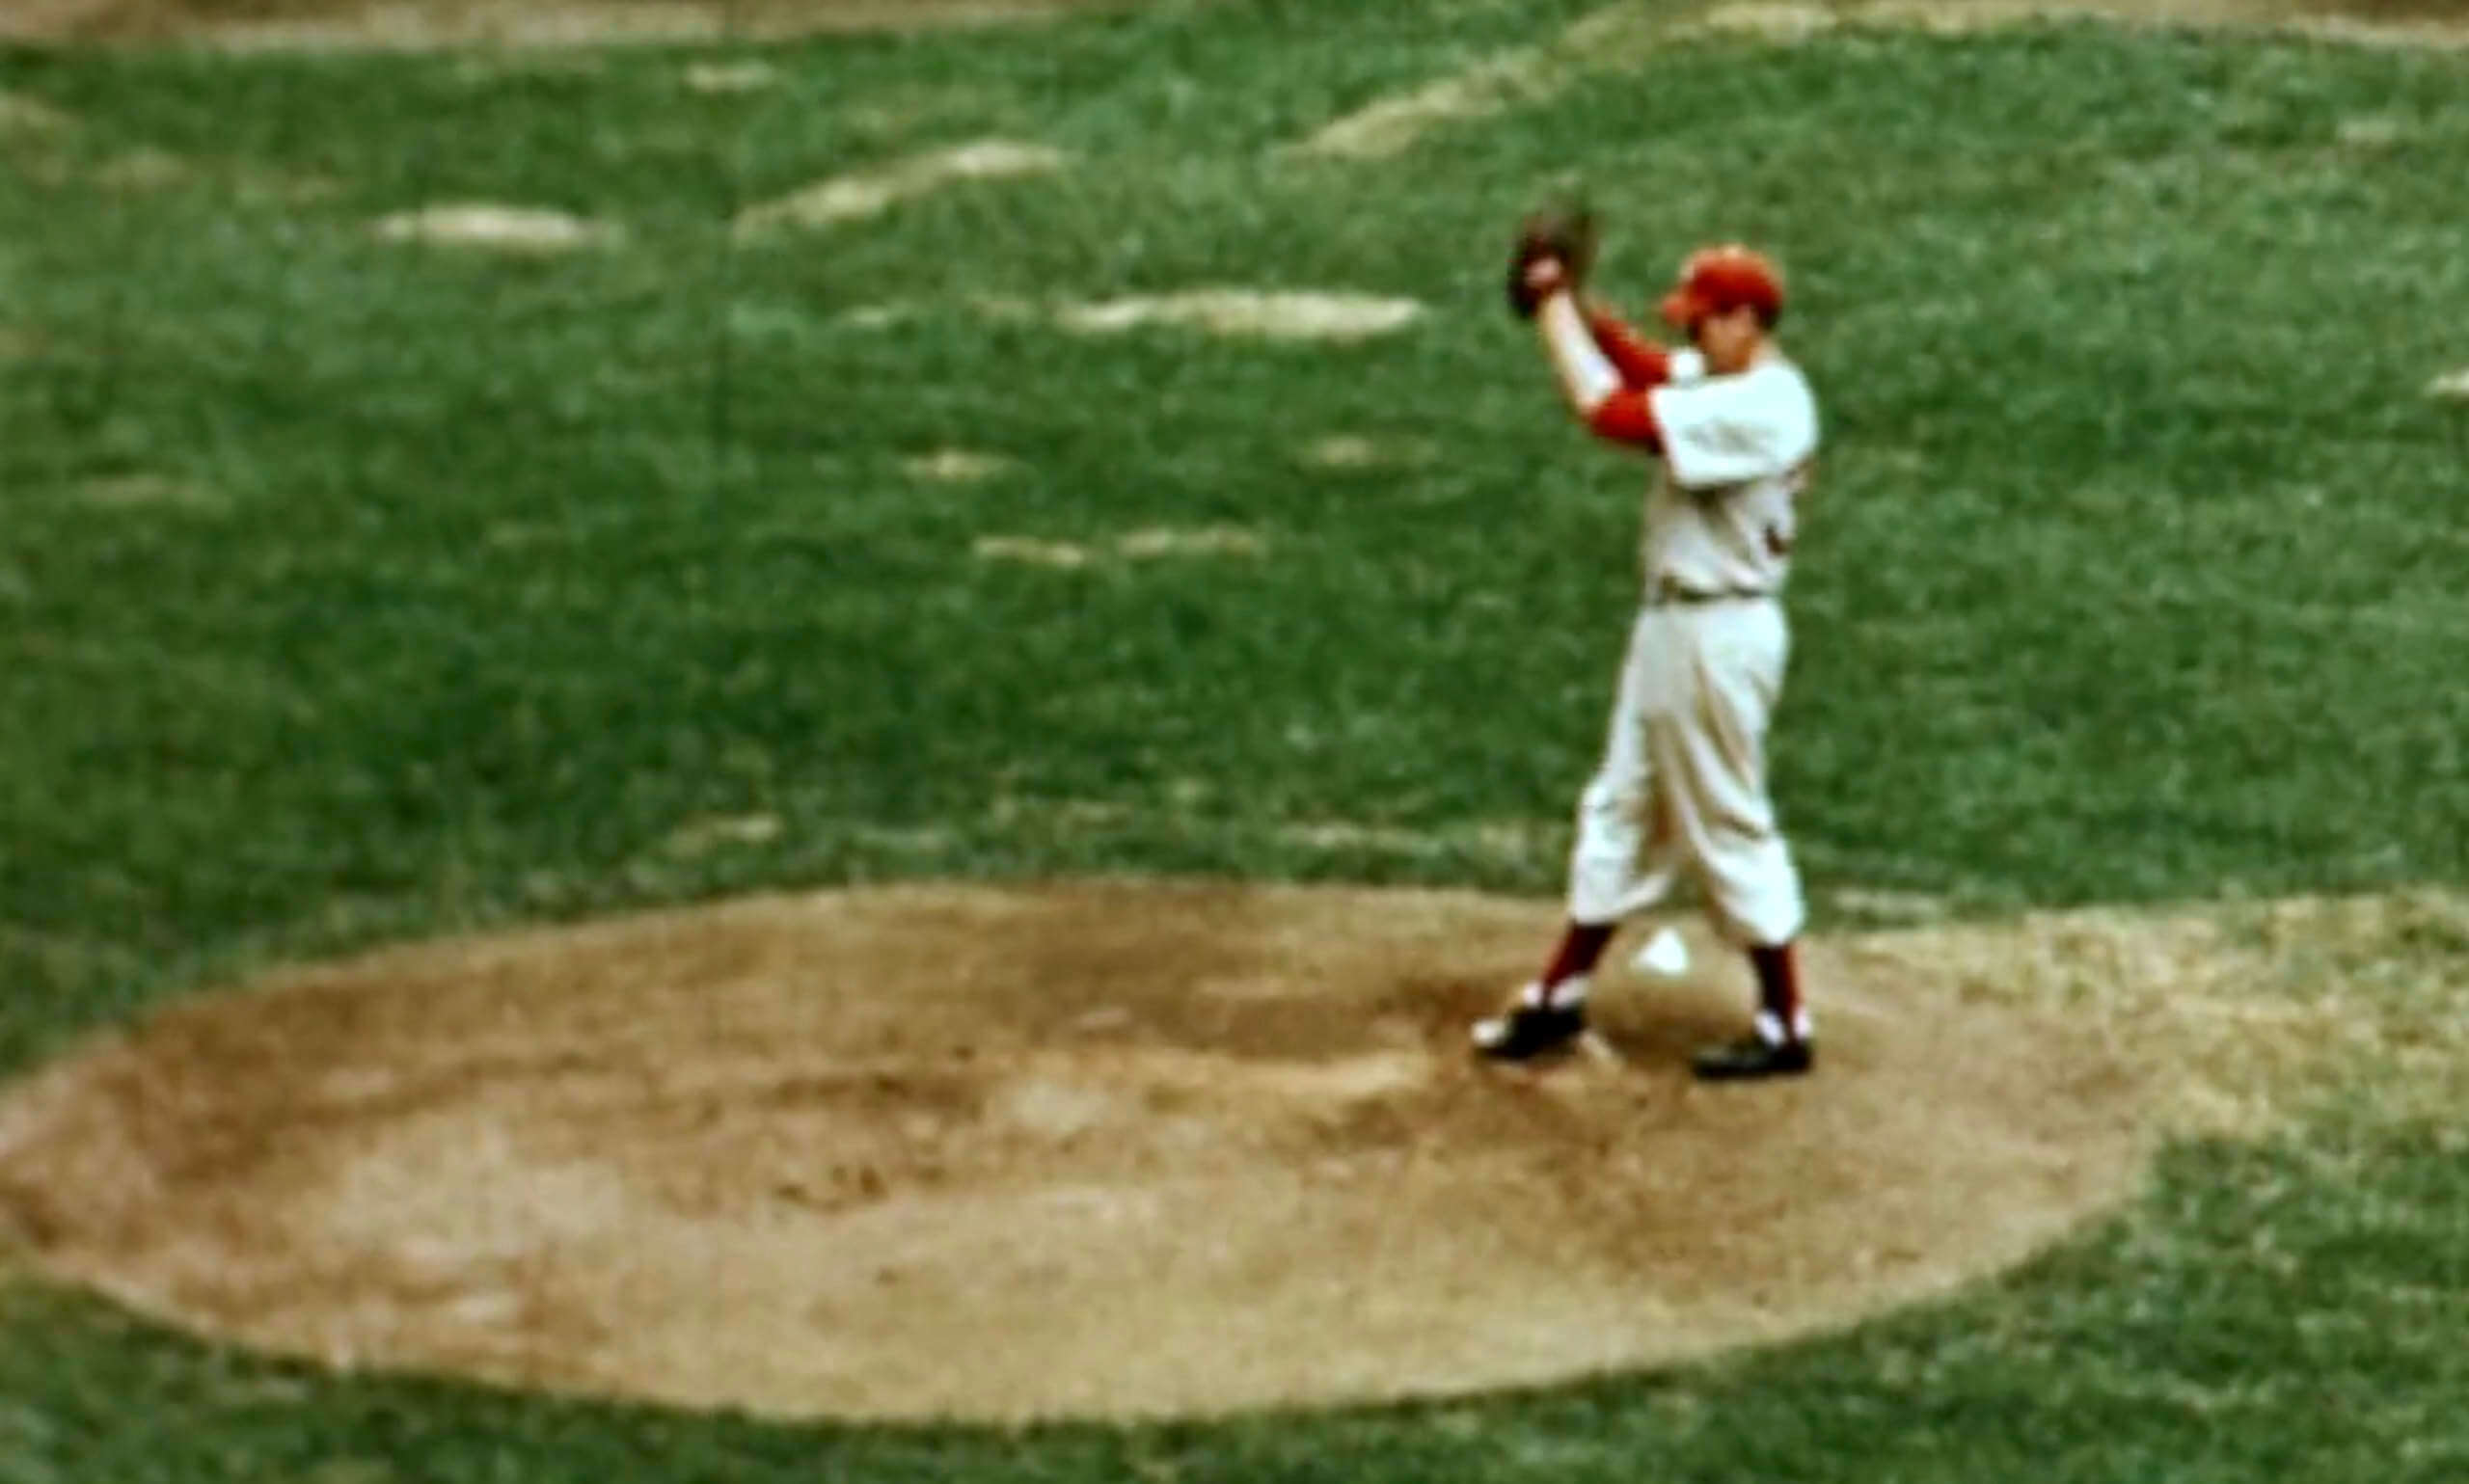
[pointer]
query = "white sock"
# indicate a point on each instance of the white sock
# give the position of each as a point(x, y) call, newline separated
point(1770, 1027)
point(1568, 994)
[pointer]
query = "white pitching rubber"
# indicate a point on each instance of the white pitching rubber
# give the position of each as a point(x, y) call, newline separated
point(1665, 954)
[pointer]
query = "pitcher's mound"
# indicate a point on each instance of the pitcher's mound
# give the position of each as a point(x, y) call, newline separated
point(1102, 1150)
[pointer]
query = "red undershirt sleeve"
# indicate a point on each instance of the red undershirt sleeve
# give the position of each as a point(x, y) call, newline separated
point(1627, 416)
point(1641, 363)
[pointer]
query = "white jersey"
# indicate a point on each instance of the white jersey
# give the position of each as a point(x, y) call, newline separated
point(1737, 453)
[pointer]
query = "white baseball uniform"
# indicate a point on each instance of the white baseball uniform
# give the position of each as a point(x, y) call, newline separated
point(1682, 780)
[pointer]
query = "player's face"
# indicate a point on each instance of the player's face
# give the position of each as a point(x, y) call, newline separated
point(1729, 339)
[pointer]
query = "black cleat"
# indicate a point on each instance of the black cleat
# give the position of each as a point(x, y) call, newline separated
point(1530, 1028)
point(1754, 1057)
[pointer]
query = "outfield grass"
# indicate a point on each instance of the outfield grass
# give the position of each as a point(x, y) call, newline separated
point(350, 591)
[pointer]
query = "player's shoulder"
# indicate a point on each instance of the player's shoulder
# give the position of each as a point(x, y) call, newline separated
point(1781, 380)
point(1781, 366)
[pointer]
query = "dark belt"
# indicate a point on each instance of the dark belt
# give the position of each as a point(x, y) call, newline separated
point(1664, 592)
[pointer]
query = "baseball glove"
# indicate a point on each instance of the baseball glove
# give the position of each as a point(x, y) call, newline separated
point(1565, 231)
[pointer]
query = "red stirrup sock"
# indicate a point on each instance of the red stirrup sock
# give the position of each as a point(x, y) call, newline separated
point(1779, 989)
point(1581, 947)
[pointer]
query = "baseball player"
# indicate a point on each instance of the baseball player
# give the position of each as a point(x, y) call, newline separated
point(1682, 781)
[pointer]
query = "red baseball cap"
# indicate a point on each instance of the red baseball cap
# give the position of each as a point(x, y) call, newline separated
point(1716, 280)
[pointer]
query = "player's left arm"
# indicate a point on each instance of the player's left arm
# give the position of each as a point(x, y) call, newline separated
point(1590, 382)
point(1641, 362)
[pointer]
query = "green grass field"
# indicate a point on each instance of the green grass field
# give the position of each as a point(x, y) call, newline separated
point(352, 591)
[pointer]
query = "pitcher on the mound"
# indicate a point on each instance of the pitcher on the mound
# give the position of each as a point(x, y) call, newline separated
point(1682, 781)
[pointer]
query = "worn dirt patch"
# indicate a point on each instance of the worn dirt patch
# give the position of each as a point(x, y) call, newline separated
point(1101, 1149)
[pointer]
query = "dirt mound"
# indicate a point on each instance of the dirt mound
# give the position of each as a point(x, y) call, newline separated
point(1107, 1150)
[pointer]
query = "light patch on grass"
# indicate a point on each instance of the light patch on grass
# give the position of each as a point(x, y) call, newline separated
point(1202, 541)
point(905, 839)
point(522, 536)
point(152, 491)
point(145, 170)
point(1058, 815)
point(494, 66)
point(1794, 22)
point(1235, 313)
point(1964, 17)
point(13, 586)
point(1295, 315)
point(877, 316)
point(851, 196)
point(1149, 544)
point(534, 28)
point(2434, 614)
point(1527, 74)
point(2451, 387)
point(2426, 33)
point(730, 76)
point(1030, 550)
point(702, 837)
point(18, 344)
point(497, 226)
point(1622, 38)
point(955, 466)
point(1772, 22)
point(422, 25)
point(1884, 905)
point(1354, 451)
point(38, 135)
point(1390, 126)
point(2371, 132)
point(1512, 842)
point(891, 315)
point(23, 116)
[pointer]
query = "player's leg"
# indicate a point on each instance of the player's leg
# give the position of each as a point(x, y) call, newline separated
point(1715, 758)
point(1616, 869)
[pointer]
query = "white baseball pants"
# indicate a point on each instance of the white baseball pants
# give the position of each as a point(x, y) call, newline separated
point(1682, 784)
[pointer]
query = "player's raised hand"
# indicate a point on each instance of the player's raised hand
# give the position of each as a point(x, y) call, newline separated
point(1545, 277)
point(1555, 246)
